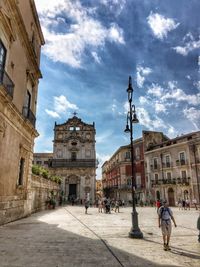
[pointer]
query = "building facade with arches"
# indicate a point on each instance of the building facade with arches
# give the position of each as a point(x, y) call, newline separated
point(173, 169)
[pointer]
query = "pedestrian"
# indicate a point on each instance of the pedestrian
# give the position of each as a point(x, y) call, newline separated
point(187, 202)
point(183, 204)
point(179, 204)
point(198, 227)
point(158, 204)
point(165, 216)
point(100, 205)
point(194, 201)
point(87, 204)
point(116, 206)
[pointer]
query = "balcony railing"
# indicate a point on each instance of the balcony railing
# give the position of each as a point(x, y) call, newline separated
point(172, 181)
point(6, 82)
point(167, 165)
point(181, 162)
point(155, 167)
point(28, 114)
point(55, 163)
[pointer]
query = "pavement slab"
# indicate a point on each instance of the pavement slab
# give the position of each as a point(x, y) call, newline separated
point(67, 237)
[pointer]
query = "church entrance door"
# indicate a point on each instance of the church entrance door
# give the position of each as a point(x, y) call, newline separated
point(72, 191)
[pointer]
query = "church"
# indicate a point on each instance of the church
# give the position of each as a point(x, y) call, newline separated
point(73, 158)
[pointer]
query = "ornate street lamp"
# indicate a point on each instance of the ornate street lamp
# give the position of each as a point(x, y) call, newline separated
point(132, 118)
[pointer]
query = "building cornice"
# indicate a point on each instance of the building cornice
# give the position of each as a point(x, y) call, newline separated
point(24, 37)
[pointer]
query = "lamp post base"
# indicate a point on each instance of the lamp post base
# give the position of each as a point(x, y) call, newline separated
point(135, 230)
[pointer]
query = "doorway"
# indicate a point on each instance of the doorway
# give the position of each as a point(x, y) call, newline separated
point(72, 191)
point(171, 197)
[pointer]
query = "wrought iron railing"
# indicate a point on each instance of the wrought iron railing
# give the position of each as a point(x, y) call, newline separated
point(28, 114)
point(6, 82)
point(55, 163)
point(181, 181)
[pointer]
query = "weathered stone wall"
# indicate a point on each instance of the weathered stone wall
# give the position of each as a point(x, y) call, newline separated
point(23, 204)
point(40, 190)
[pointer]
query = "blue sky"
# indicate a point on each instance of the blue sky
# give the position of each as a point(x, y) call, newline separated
point(92, 46)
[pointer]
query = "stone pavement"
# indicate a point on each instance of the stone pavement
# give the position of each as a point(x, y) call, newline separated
point(66, 237)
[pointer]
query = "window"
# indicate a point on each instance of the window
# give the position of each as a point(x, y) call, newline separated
point(183, 174)
point(137, 153)
point(27, 104)
point(127, 155)
point(169, 175)
point(156, 177)
point(73, 156)
point(21, 171)
point(155, 163)
point(138, 181)
point(88, 153)
point(59, 153)
point(39, 162)
point(167, 159)
point(182, 157)
point(2, 60)
point(74, 128)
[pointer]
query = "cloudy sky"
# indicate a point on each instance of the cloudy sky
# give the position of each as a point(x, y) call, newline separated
point(92, 46)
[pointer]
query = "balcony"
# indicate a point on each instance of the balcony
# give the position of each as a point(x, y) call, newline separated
point(28, 114)
point(126, 186)
point(167, 165)
point(6, 82)
point(181, 162)
point(155, 167)
point(172, 181)
point(65, 163)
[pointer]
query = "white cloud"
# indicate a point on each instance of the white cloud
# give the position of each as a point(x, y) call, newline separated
point(147, 121)
point(155, 90)
point(154, 123)
point(143, 100)
point(172, 93)
point(53, 114)
point(159, 107)
point(193, 115)
point(179, 95)
point(115, 6)
point(189, 44)
point(96, 57)
point(171, 132)
point(84, 31)
point(140, 75)
point(61, 106)
point(161, 25)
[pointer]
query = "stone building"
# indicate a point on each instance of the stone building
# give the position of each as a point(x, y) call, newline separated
point(20, 44)
point(73, 158)
point(173, 168)
point(116, 173)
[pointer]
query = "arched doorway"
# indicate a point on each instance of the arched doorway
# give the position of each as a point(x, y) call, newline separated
point(171, 197)
point(158, 195)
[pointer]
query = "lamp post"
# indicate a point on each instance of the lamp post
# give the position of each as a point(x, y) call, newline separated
point(132, 118)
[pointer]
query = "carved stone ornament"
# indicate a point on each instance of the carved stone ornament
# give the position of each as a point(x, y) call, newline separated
point(3, 127)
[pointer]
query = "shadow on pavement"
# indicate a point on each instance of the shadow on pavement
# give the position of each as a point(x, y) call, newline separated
point(33, 243)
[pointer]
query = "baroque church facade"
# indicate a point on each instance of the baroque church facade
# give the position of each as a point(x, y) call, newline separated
point(73, 158)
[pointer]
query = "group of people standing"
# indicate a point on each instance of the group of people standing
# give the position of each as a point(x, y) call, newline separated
point(184, 204)
point(106, 205)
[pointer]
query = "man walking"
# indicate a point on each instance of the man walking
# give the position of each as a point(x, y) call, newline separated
point(165, 216)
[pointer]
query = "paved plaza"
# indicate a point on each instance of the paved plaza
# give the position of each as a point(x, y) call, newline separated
point(68, 237)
